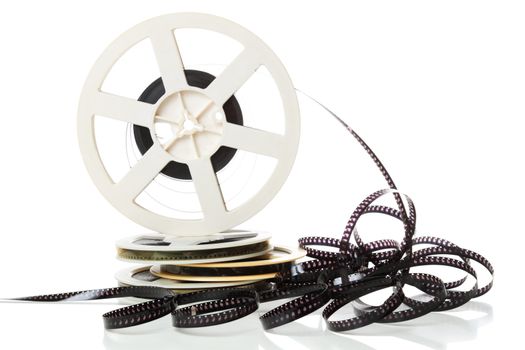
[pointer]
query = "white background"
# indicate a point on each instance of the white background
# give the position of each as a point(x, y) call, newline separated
point(436, 88)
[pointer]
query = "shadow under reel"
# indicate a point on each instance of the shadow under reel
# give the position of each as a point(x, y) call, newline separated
point(188, 128)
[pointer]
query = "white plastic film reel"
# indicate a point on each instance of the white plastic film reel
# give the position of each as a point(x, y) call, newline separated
point(197, 118)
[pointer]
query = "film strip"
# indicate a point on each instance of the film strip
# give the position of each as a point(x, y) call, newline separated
point(331, 279)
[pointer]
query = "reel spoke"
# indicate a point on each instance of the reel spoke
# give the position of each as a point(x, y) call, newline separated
point(169, 60)
point(140, 175)
point(253, 140)
point(123, 109)
point(207, 188)
point(233, 76)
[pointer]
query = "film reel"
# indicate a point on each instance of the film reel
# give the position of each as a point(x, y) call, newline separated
point(158, 271)
point(263, 267)
point(141, 277)
point(155, 248)
point(198, 119)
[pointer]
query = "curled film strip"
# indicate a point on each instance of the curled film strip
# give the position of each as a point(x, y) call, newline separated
point(331, 279)
point(345, 273)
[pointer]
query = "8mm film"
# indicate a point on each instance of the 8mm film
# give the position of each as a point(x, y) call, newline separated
point(193, 154)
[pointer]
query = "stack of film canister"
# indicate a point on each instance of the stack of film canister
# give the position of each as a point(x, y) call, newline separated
point(190, 150)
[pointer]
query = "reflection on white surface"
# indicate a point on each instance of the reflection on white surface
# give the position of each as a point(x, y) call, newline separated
point(434, 331)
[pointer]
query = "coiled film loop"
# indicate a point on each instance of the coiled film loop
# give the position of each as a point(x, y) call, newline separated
point(334, 279)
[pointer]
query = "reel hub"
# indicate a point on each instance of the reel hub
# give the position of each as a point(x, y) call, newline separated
point(169, 128)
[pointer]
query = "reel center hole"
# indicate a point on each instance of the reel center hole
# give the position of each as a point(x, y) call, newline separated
point(189, 125)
